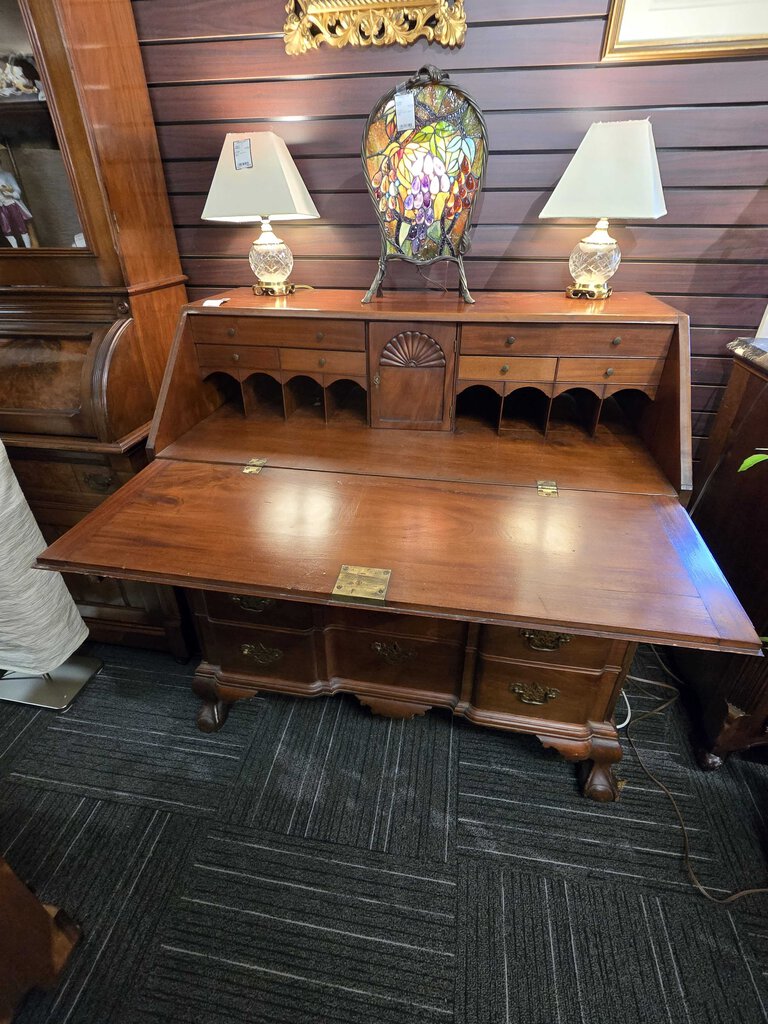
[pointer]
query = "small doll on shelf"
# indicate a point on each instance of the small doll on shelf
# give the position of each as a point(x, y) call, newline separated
point(14, 213)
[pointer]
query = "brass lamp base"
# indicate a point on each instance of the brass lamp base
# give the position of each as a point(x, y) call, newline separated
point(274, 289)
point(591, 291)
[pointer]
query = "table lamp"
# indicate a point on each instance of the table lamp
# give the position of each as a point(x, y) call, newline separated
point(256, 181)
point(614, 173)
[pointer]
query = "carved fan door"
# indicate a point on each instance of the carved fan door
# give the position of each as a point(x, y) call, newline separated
point(412, 376)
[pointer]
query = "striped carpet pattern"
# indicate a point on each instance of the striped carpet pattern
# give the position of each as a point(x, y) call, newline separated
point(313, 863)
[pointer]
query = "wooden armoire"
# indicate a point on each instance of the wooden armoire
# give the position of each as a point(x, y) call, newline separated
point(90, 293)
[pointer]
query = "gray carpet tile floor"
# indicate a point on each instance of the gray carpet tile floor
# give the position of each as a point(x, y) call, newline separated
point(312, 863)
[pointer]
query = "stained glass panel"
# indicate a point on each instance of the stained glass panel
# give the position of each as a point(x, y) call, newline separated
point(425, 180)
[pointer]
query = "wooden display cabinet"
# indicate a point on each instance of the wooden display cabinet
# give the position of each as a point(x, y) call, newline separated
point(88, 307)
point(517, 464)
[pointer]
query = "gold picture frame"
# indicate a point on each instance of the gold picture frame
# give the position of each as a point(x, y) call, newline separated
point(372, 23)
point(686, 31)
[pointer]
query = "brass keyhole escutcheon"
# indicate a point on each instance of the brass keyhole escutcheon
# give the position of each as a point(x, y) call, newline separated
point(616, 341)
point(376, 380)
point(609, 372)
point(231, 332)
point(321, 362)
point(505, 368)
point(510, 340)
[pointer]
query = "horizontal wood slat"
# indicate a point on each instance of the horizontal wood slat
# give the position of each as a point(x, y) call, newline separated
point(512, 275)
point(540, 241)
point(534, 67)
point(713, 169)
point(688, 127)
point(190, 19)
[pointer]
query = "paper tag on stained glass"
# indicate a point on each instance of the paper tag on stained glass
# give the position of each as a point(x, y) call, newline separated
point(405, 114)
point(243, 156)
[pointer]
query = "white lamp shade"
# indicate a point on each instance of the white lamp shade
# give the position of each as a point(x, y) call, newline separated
point(614, 174)
point(256, 178)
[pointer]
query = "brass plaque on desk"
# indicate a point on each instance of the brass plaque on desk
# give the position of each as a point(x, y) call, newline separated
point(361, 583)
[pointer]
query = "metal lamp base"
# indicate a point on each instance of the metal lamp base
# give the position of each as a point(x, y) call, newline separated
point(54, 690)
point(287, 288)
point(592, 291)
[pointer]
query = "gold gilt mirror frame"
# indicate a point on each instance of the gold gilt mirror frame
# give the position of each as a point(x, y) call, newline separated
point(309, 23)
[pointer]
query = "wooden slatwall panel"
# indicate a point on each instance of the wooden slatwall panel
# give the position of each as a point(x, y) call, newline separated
point(533, 65)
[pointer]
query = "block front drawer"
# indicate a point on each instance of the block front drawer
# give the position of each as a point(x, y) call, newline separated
point(650, 340)
point(343, 334)
point(269, 653)
point(555, 694)
point(546, 647)
point(258, 611)
point(402, 662)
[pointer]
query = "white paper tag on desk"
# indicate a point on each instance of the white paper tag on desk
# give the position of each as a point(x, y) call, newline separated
point(405, 114)
point(243, 155)
point(214, 302)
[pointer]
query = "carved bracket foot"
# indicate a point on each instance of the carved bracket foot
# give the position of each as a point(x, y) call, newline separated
point(393, 708)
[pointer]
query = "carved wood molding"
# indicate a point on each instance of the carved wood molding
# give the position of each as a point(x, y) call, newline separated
point(371, 23)
point(411, 348)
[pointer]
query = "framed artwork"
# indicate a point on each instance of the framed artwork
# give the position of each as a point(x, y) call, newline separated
point(659, 29)
point(309, 23)
point(425, 148)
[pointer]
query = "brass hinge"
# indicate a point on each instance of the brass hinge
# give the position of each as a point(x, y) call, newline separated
point(254, 466)
point(547, 488)
point(361, 583)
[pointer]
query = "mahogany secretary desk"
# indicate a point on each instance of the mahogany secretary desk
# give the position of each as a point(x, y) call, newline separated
point(516, 464)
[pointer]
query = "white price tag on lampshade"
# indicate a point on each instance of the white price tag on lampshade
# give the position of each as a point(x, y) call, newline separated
point(243, 155)
point(405, 114)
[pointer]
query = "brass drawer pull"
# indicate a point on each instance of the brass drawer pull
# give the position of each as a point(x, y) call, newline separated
point(321, 361)
point(99, 482)
point(539, 640)
point(609, 372)
point(505, 368)
point(257, 605)
point(393, 653)
point(261, 654)
point(510, 340)
point(235, 357)
point(616, 341)
point(231, 332)
point(533, 693)
point(319, 335)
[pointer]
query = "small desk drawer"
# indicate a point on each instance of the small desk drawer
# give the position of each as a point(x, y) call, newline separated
point(227, 357)
point(258, 611)
point(551, 693)
point(506, 368)
point(352, 363)
point(421, 626)
point(610, 371)
point(650, 340)
point(545, 646)
point(224, 330)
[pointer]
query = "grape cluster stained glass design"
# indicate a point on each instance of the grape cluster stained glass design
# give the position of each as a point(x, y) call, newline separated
point(424, 179)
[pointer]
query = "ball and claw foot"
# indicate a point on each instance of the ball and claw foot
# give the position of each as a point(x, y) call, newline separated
point(212, 714)
point(708, 761)
point(600, 783)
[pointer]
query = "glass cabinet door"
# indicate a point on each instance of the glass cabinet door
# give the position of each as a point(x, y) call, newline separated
point(37, 207)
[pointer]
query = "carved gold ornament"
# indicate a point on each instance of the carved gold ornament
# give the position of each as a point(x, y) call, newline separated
point(372, 23)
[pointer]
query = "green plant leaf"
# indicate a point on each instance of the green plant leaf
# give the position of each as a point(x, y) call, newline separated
point(751, 461)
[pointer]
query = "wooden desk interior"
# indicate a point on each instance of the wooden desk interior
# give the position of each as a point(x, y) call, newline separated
point(515, 609)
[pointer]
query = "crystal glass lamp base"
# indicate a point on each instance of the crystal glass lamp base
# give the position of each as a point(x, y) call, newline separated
point(592, 263)
point(272, 262)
